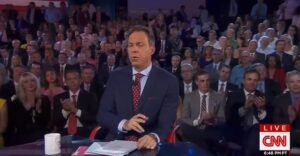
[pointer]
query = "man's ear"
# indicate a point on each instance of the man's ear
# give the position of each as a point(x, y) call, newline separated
point(152, 48)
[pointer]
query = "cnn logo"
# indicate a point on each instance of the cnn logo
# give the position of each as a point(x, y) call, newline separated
point(274, 137)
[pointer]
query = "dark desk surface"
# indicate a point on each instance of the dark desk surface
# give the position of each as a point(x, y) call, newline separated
point(70, 144)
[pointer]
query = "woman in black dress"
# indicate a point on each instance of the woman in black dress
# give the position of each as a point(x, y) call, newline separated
point(29, 112)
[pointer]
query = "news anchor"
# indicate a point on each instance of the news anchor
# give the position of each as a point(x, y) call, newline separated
point(140, 101)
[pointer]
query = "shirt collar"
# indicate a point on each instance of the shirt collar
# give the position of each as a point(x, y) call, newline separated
point(76, 93)
point(201, 94)
point(145, 72)
point(246, 92)
point(223, 82)
point(187, 83)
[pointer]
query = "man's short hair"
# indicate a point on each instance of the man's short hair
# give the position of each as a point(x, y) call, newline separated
point(72, 70)
point(88, 66)
point(291, 73)
point(201, 73)
point(224, 66)
point(251, 71)
point(147, 31)
point(279, 40)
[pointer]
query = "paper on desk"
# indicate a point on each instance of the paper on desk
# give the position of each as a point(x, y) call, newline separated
point(115, 148)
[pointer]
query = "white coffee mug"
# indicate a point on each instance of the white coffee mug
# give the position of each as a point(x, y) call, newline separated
point(52, 143)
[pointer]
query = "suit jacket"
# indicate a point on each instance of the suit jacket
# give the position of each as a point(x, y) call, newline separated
point(287, 62)
point(280, 114)
point(38, 17)
point(86, 102)
point(167, 51)
point(260, 58)
point(212, 72)
point(158, 102)
point(104, 73)
point(235, 101)
point(96, 88)
point(230, 87)
point(68, 67)
point(191, 106)
point(272, 89)
point(177, 73)
point(181, 88)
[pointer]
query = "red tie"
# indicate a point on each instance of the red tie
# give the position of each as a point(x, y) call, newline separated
point(72, 125)
point(296, 105)
point(136, 90)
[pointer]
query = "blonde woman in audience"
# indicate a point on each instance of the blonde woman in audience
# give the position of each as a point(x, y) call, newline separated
point(29, 113)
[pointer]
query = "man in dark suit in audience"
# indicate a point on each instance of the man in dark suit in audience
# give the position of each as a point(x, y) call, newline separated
point(287, 107)
point(163, 50)
point(140, 101)
point(213, 67)
point(89, 82)
point(74, 110)
point(175, 66)
point(107, 68)
point(203, 112)
point(223, 85)
point(187, 85)
point(62, 67)
point(286, 59)
point(245, 109)
point(269, 87)
point(5, 57)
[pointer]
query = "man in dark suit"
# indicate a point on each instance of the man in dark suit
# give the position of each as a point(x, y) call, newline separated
point(175, 66)
point(62, 67)
point(187, 85)
point(5, 57)
point(140, 101)
point(107, 68)
point(286, 59)
point(223, 85)
point(16, 50)
point(82, 61)
point(257, 57)
point(163, 50)
point(286, 107)
point(74, 110)
point(34, 17)
point(269, 87)
point(89, 82)
point(213, 67)
point(203, 111)
point(245, 109)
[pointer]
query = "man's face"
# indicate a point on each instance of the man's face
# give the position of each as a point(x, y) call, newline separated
point(280, 46)
point(139, 50)
point(250, 81)
point(245, 58)
point(35, 57)
point(212, 36)
point(36, 70)
point(262, 72)
point(224, 74)
point(187, 73)
point(252, 46)
point(62, 59)
point(216, 56)
point(202, 82)
point(293, 83)
point(17, 72)
point(87, 75)
point(175, 61)
point(111, 60)
point(73, 81)
point(82, 58)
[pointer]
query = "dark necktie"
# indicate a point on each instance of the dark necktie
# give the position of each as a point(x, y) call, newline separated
point(222, 88)
point(203, 105)
point(72, 125)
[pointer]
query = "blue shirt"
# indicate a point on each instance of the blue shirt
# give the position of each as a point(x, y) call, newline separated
point(237, 75)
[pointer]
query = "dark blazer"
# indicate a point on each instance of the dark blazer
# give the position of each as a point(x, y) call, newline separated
point(272, 89)
point(86, 102)
point(235, 101)
point(230, 87)
point(287, 62)
point(280, 114)
point(104, 73)
point(158, 102)
point(96, 88)
point(260, 58)
point(38, 17)
point(177, 73)
point(181, 88)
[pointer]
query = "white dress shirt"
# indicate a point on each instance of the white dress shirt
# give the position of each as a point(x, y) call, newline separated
point(188, 89)
point(220, 83)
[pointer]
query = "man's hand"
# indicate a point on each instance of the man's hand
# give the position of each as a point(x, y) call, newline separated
point(68, 105)
point(208, 118)
point(260, 102)
point(147, 142)
point(134, 123)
